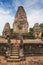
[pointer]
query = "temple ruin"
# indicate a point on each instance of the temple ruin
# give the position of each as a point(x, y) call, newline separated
point(37, 31)
point(20, 24)
point(16, 47)
point(6, 30)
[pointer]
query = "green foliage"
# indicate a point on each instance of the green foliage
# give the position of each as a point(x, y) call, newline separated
point(42, 34)
point(31, 31)
point(11, 30)
point(41, 25)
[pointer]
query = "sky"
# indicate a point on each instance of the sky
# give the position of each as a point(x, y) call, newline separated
point(8, 8)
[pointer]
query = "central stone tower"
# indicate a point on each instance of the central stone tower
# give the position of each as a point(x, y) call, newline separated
point(20, 24)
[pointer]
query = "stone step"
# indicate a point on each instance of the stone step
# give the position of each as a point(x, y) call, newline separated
point(14, 54)
point(14, 57)
point(15, 47)
point(14, 50)
point(13, 60)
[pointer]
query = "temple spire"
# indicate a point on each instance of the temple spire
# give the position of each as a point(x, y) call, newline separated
point(20, 23)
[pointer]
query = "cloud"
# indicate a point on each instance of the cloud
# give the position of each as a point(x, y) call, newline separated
point(16, 3)
point(33, 8)
point(28, 4)
point(36, 16)
point(3, 12)
point(5, 17)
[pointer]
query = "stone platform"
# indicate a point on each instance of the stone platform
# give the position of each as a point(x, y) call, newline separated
point(33, 60)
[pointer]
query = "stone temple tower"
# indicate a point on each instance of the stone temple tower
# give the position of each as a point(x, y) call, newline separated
point(37, 30)
point(20, 24)
point(6, 30)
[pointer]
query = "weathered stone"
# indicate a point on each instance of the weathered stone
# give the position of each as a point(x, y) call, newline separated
point(6, 30)
point(20, 24)
point(37, 31)
point(16, 48)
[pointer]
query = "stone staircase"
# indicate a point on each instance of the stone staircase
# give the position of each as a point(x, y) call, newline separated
point(14, 55)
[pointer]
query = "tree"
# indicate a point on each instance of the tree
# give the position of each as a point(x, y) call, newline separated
point(11, 30)
point(42, 34)
point(41, 25)
point(31, 31)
